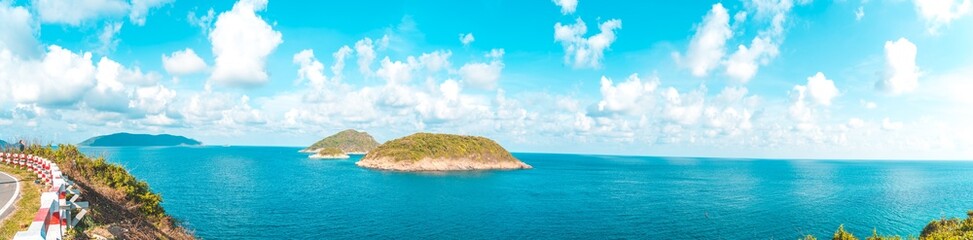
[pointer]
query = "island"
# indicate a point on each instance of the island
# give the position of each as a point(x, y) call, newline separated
point(130, 139)
point(348, 142)
point(329, 153)
point(440, 152)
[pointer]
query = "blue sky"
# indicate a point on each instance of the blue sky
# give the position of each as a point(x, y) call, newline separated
point(756, 78)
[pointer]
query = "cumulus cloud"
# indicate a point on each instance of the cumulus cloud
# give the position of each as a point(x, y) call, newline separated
point(580, 51)
point(436, 60)
point(890, 125)
point(860, 13)
point(706, 48)
point(59, 79)
point(940, 13)
point(483, 75)
point(567, 6)
point(183, 62)
point(311, 69)
point(365, 51)
point(339, 56)
point(743, 64)
point(17, 35)
point(628, 96)
point(241, 43)
point(75, 12)
point(397, 72)
point(821, 89)
point(140, 9)
point(466, 39)
point(901, 74)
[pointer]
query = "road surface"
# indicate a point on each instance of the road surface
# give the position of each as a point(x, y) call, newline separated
point(9, 189)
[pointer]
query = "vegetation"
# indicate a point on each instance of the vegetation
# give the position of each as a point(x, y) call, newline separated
point(115, 196)
point(330, 151)
point(128, 139)
point(26, 206)
point(417, 146)
point(942, 229)
point(347, 141)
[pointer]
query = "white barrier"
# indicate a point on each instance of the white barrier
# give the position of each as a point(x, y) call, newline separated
point(54, 215)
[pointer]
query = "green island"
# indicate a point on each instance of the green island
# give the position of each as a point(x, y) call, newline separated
point(440, 152)
point(121, 206)
point(329, 153)
point(349, 141)
point(130, 139)
point(940, 229)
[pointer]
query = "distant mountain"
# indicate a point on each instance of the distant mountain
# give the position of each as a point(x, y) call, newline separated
point(129, 139)
point(3, 144)
point(349, 141)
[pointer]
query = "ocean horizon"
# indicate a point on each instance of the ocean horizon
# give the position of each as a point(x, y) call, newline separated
point(247, 192)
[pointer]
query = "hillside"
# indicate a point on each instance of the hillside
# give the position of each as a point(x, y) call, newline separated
point(129, 139)
point(349, 141)
point(122, 206)
point(440, 152)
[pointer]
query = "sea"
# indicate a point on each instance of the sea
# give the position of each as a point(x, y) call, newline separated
point(245, 192)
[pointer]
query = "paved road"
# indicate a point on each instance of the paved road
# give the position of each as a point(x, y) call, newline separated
point(9, 189)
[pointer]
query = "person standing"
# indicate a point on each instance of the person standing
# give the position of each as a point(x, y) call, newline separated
point(23, 145)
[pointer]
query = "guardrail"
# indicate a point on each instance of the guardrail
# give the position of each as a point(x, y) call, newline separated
point(53, 218)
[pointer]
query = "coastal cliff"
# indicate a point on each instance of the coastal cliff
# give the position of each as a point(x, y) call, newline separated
point(440, 152)
point(348, 141)
point(122, 206)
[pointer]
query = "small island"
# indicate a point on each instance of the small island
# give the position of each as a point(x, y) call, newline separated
point(143, 140)
point(329, 153)
point(348, 141)
point(440, 152)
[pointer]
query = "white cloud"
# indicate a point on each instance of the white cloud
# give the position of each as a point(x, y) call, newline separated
point(901, 74)
point(706, 48)
point(59, 79)
point(203, 21)
point(339, 62)
point(868, 104)
point(75, 12)
point(152, 100)
point(106, 38)
point(940, 13)
point(821, 89)
point(889, 125)
point(743, 64)
point(627, 96)
point(17, 35)
point(241, 43)
point(567, 6)
point(856, 123)
point(311, 69)
point(140, 9)
point(436, 60)
point(466, 39)
point(183, 62)
point(483, 75)
point(397, 72)
point(860, 13)
point(366, 55)
point(583, 52)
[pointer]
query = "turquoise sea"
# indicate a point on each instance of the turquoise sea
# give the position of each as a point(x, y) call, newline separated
point(278, 193)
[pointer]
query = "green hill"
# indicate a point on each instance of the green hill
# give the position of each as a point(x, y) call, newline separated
point(349, 141)
point(440, 152)
point(129, 139)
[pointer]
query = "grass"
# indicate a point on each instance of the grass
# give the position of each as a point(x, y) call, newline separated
point(941, 229)
point(330, 151)
point(27, 203)
point(348, 141)
point(431, 145)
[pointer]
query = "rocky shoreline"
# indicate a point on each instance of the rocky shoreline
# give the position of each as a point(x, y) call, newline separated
point(439, 164)
point(331, 156)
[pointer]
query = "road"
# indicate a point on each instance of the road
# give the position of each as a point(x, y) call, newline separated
point(9, 189)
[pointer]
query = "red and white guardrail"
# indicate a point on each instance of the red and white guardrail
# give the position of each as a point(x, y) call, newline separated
point(54, 215)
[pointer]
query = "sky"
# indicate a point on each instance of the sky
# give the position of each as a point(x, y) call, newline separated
point(853, 79)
